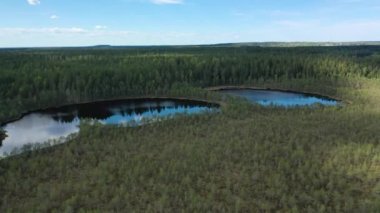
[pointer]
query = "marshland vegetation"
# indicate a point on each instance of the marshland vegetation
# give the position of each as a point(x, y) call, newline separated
point(246, 158)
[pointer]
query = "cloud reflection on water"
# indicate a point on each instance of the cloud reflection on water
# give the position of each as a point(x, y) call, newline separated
point(55, 123)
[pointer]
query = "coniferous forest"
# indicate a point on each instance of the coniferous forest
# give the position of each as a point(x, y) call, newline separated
point(245, 158)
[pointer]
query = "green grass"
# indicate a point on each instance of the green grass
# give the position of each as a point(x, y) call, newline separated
point(246, 159)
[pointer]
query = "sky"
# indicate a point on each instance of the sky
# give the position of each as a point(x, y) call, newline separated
point(47, 23)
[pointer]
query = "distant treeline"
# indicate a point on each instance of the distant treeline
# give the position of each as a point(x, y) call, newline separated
point(32, 78)
point(298, 44)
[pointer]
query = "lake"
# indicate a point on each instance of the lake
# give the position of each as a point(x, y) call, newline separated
point(280, 98)
point(58, 123)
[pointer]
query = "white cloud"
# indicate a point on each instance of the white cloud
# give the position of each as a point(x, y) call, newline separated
point(54, 17)
point(48, 37)
point(100, 27)
point(53, 30)
point(67, 30)
point(167, 1)
point(280, 30)
point(318, 30)
point(34, 2)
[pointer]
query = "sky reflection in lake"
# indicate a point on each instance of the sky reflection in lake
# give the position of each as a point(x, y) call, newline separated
point(279, 98)
point(55, 123)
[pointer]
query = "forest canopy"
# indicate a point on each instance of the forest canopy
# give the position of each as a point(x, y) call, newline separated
point(246, 158)
point(34, 78)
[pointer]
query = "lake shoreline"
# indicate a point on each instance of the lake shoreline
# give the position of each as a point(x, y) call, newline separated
point(148, 98)
point(203, 101)
point(316, 94)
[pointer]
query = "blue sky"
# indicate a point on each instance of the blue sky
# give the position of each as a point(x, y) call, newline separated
point(28, 23)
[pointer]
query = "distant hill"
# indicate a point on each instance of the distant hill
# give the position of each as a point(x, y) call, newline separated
point(242, 44)
point(255, 44)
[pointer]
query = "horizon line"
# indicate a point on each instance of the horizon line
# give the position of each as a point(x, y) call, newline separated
point(253, 43)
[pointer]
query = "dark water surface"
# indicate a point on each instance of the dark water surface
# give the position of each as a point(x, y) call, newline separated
point(56, 123)
point(280, 98)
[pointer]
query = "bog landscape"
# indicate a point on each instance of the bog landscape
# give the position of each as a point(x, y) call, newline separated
point(230, 127)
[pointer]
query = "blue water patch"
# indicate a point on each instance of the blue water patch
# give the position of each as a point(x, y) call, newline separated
point(280, 98)
point(57, 123)
point(153, 114)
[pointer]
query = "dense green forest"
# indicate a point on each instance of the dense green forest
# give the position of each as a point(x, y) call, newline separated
point(246, 158)
point(38, 78)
